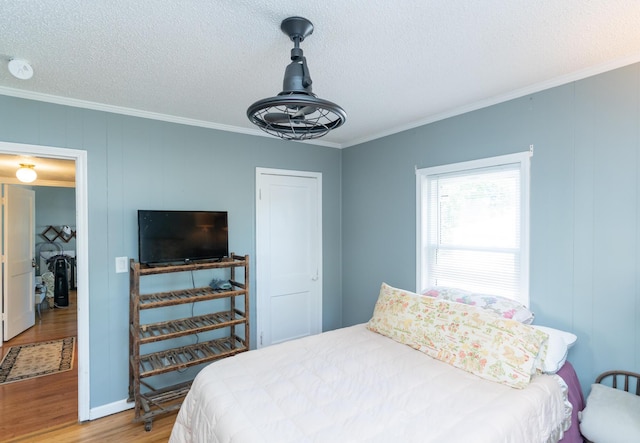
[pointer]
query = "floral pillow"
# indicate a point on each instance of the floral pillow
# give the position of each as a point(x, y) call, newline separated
point(464, 336)
point(502, 306)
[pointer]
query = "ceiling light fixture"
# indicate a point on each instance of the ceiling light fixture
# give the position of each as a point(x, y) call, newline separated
point(26, 173)
point(20, 69)
point(296, 113)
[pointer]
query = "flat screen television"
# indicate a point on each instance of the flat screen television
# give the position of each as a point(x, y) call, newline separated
point(182, 236)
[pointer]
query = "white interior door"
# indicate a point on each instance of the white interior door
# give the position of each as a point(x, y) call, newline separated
point(288, 255)
point(19, 266)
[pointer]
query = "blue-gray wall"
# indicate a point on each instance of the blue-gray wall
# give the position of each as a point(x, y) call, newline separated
point(54, 207)
point(585, 209)
point(135, 163)
point(585, 203)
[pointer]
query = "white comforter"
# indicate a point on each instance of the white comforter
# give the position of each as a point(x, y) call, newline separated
point(354, 385)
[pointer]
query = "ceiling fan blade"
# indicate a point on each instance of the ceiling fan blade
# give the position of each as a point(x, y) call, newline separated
point(276, 117)
point(281, 117)
point(305, 110)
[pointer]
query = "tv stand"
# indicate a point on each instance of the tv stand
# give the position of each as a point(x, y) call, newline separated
point(216, 335)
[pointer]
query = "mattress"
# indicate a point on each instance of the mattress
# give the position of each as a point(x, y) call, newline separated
point(353, 384)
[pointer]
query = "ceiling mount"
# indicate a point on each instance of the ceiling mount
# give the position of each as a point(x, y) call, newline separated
point(296, 113)
point(297, 27)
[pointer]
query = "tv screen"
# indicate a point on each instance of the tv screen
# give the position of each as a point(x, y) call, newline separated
point(182, 236)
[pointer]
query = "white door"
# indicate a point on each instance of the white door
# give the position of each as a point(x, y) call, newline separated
point(288, 255)
point(19, 269)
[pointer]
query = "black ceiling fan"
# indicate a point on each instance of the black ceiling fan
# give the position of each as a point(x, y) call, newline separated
point(296, 113)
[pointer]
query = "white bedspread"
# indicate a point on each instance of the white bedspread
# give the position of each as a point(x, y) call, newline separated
point(354, 385)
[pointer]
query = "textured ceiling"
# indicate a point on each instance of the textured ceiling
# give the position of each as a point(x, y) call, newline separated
point(391, 65)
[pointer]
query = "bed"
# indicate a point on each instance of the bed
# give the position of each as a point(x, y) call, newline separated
point(358, 384)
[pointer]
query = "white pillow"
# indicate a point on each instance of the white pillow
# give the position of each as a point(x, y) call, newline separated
point(611, 415)
point(557, 350)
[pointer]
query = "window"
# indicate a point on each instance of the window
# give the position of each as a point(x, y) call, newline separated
point(473, 226)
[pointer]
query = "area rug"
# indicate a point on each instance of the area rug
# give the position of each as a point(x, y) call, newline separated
point(37, 359)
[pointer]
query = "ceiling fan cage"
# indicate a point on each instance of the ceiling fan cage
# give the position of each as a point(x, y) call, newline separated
point(296, 113)
point(296, 117)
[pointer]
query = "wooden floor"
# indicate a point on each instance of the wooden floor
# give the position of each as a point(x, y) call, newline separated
point(114, 428)
point(46, 408)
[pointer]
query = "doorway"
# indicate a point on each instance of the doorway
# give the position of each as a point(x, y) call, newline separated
point(81, 222)
point(288, 255)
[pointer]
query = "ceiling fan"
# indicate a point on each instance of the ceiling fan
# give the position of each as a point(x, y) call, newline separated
point(296, 113)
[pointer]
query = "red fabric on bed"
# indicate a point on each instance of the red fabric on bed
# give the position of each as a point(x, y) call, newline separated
point(568, 374)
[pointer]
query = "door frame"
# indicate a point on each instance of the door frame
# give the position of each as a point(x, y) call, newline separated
point(82, 251)
point(260, 290)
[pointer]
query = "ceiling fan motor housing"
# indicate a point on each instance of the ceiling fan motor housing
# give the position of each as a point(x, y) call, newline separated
point(296, 78)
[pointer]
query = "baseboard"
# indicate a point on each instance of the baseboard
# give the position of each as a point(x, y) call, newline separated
point(109, 409)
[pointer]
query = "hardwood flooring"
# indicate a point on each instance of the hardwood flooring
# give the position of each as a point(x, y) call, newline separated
point(114, 428)
point(40, 402)
point(45, 409)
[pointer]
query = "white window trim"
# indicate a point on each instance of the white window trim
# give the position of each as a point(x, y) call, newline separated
point(523, 158)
